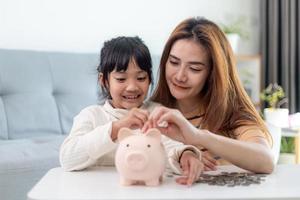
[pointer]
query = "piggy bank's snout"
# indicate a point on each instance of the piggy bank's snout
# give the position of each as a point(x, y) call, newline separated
point(136, 160)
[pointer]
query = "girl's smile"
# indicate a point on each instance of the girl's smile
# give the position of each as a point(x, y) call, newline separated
point(129, 88)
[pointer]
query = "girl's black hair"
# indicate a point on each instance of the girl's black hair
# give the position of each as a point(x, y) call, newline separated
point(116, 54)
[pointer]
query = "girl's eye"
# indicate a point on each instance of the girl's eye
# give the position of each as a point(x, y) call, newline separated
point(141, 78)
point(120, 79)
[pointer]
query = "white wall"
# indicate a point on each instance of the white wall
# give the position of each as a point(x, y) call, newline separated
point(83, 25)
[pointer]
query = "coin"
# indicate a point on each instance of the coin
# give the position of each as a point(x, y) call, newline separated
point(231, 179)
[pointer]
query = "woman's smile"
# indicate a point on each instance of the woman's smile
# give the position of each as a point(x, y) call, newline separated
point(179, 86)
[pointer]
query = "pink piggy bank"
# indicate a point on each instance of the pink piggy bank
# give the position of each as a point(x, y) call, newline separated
point(140, 158)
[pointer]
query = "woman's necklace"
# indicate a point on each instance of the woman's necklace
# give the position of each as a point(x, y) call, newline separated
point(194, 115)
point(196, 120)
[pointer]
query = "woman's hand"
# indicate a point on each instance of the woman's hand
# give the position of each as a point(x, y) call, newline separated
point(172, 124)
point(191, 167)
point(209, 162)
point(136, 118)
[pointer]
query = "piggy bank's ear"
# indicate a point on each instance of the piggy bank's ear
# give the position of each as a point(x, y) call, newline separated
point(123, 133)
point(154, 132)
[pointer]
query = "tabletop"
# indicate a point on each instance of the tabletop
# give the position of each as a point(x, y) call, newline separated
point(103, 183)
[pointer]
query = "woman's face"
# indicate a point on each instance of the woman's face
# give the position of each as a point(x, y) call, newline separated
point(187, 69)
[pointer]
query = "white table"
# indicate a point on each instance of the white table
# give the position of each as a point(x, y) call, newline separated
point(103, 183)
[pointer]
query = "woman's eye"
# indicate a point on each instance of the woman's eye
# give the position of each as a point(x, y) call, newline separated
point(195, 69)
point(173, 62)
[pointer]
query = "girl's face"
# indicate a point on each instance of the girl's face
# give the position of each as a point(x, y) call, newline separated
point(129, 88)
point(187, 69)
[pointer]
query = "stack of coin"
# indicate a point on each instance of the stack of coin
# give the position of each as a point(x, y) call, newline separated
point(231, 179)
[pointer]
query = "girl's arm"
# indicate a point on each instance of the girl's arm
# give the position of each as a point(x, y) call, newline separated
point(88, 140)
point(93, 135)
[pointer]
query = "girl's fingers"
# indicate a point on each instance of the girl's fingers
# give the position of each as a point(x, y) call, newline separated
point(146, 126)
point(153, 123)
point(141, 114)
point(136, 123)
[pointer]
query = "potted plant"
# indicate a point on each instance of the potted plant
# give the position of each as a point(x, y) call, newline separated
point(275, 98)
point(234, 31)
point(287, 151)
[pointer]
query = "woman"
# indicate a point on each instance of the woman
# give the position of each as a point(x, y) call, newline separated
point(206, 104)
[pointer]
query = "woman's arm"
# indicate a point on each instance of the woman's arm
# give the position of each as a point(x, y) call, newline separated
point(253, 155)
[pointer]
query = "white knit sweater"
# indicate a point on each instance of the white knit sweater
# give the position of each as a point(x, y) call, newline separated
point(89, 142)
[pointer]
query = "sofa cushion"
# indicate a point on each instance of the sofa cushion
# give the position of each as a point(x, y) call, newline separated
point(74, 84)
point(41, 92)
point(24, 161)
point(29, 154)
point(3, 122)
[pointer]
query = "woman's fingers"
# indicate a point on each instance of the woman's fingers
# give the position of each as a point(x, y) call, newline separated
point(191, 167)
point(181, 180)
point(196, 168)
point(199, 172)
point(192, 174)
point(152, 120)
point(209, 162)
point(156, 114)
point(210, 165)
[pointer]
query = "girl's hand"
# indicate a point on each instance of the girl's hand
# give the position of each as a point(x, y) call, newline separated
point(172, 124)
point(136, 118)
point(192, 168)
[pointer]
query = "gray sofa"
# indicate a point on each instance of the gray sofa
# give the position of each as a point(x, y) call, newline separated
point(40, 92)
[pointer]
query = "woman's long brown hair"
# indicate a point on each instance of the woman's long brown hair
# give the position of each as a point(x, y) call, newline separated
point(227, 105)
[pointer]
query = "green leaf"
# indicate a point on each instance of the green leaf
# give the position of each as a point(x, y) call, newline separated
point(287, 145)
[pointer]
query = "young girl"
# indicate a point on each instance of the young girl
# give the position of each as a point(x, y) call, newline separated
point(124, 75)
point(208, 105)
